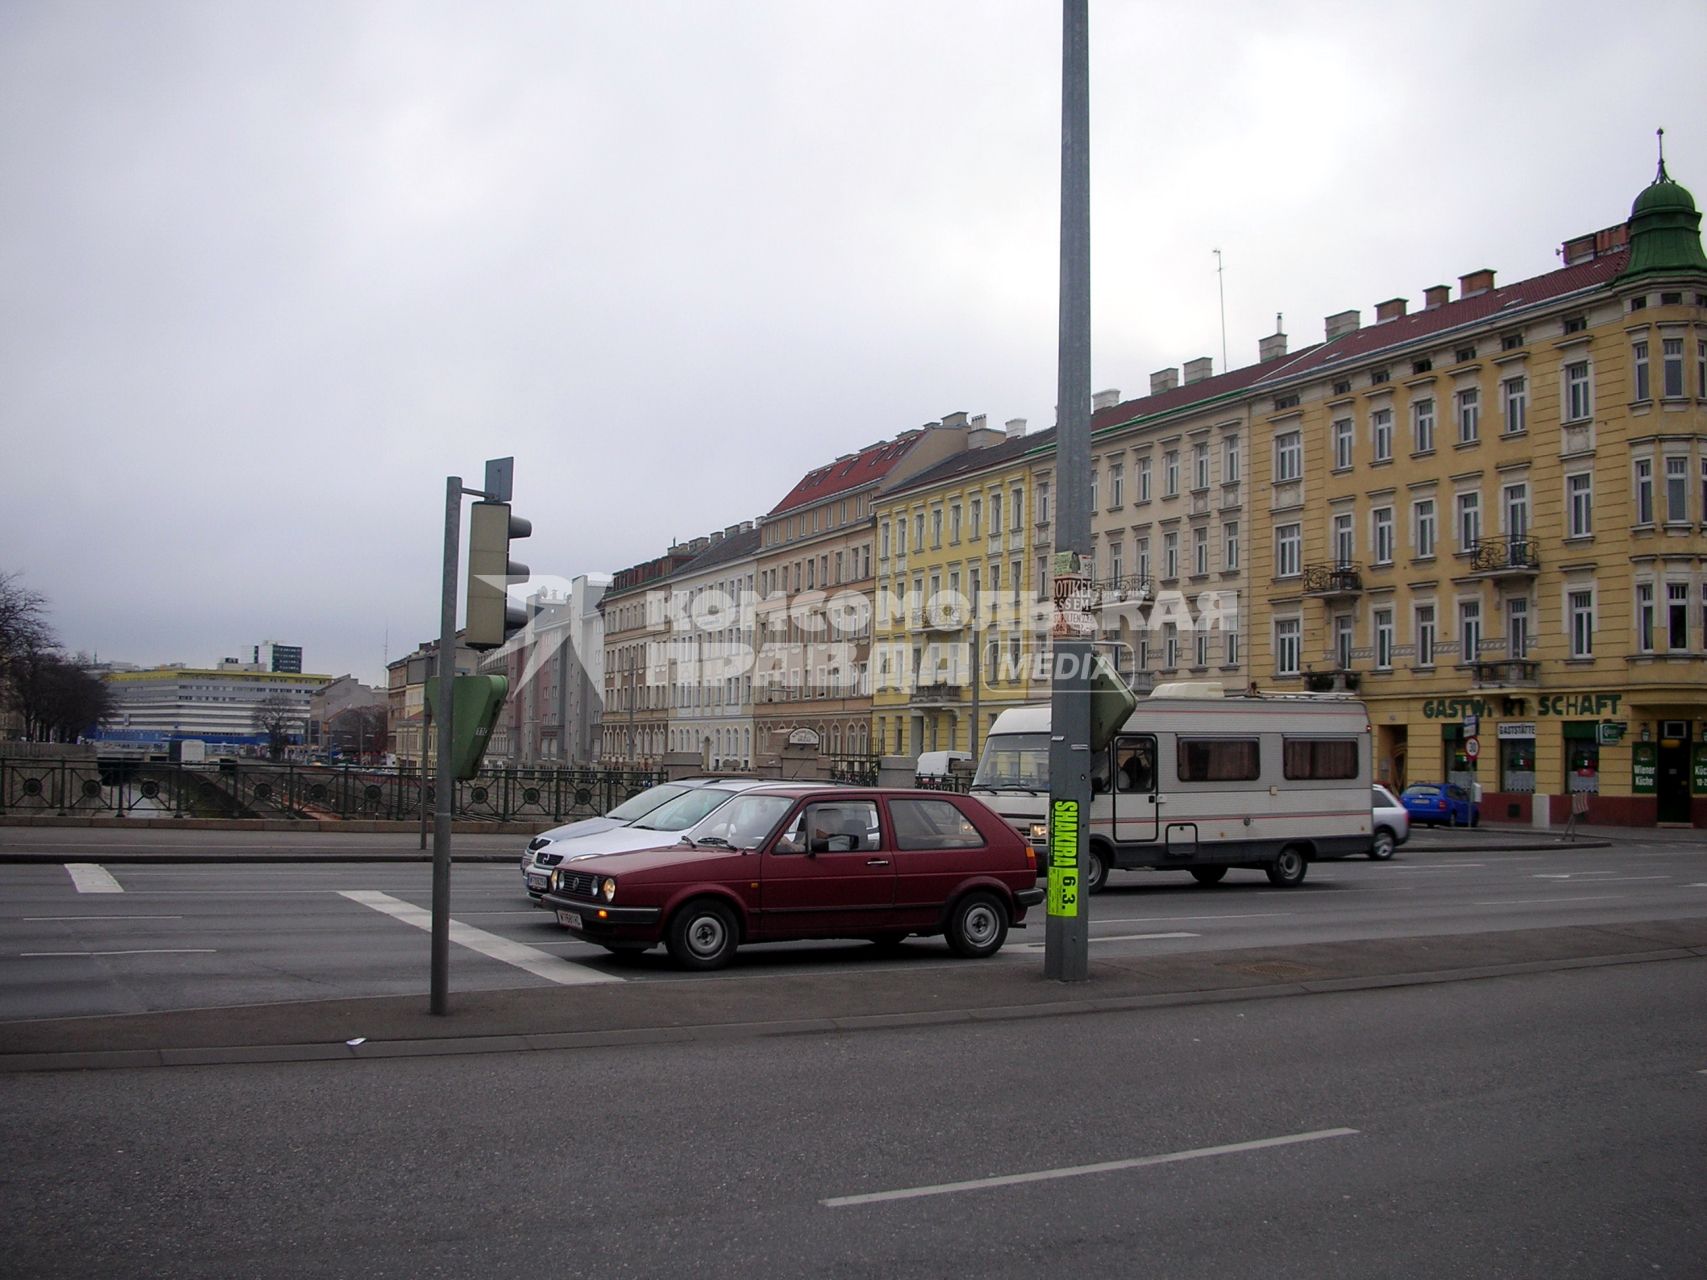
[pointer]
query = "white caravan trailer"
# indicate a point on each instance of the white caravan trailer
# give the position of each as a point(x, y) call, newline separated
point(1199, 781)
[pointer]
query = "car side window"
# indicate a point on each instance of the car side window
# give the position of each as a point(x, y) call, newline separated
point(846, 826)
point(932, 824)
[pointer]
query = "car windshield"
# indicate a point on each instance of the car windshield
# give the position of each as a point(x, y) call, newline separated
point(1014, 760)
point(744, 822)
point(685, 810)
point(641, 805)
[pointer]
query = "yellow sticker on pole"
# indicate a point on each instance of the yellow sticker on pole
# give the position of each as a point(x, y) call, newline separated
point(1064, 858)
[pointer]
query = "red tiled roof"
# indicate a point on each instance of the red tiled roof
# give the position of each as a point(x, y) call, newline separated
point(846, 474)
point(1196, 392)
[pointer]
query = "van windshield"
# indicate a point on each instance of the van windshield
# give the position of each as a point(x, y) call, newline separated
point(1014, 762)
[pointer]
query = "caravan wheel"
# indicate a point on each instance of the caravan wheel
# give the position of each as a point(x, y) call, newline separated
point(1288, 868)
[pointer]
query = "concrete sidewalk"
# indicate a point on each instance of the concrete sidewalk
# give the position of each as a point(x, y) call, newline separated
point(746, 1004)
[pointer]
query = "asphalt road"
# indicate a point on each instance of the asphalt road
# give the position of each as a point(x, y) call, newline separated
point(1543, 1125)
point(116, 938)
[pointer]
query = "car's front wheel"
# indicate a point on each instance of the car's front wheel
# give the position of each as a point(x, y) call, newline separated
point(1383, 846)
point(702, 935)
point(1288, 868)
point(977, 926)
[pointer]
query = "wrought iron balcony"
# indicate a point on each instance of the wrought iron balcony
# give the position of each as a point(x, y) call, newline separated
point(1337, 681)
point(943, 693)
point(1337, 579)
point(1505, 558)
point(1108, 592)
point(1505, 673)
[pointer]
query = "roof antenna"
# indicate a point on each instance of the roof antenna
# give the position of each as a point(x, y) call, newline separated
point(1221, 285)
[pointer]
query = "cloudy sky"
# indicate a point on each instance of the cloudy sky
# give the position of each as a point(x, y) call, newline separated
point(269, 273)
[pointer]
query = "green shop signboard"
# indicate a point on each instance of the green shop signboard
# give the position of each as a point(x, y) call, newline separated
point(1698, 780)
point(1644, 767)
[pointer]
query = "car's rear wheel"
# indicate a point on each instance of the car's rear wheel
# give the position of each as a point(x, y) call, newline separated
point(977, 926)
point(1209, 875)
point(1382, 847)
point(1289, 867)
point(702, 935)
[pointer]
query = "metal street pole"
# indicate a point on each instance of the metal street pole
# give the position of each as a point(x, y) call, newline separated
point(439, 998)
point(1066, 954)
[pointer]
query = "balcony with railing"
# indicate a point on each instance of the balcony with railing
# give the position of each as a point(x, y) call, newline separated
point(1505, 557)
point(942, 693)
point(942, 618)
point(1335, 580)
point(1338, 680)
point(1505, 673)
point(1109, 592)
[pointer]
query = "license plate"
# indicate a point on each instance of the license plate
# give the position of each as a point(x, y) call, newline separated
point(569, 919)
point(537, 882)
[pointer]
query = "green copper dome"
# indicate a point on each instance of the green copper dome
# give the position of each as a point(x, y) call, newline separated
point(1665, 230)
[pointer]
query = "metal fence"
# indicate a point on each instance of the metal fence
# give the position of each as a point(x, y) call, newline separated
point(267, 789)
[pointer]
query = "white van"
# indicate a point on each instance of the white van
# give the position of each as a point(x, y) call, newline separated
point(939, 764)
point(1199, 781)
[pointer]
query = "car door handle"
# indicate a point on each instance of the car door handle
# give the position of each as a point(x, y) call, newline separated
point(877, 862)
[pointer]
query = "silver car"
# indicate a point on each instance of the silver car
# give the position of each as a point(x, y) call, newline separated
point(1389, 822)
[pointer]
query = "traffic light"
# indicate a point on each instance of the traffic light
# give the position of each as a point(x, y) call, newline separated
point(492, 619)
point(476, 700)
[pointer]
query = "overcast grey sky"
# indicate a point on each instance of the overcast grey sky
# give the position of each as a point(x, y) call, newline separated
point(269, 273)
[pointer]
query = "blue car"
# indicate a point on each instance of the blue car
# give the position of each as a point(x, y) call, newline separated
point(1434, 803)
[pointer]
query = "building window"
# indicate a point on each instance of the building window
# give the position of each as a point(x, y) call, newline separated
point(1645, 617)
point(1469, 629)
point(1230, 446)
point(1464, 355)
point(1517, 626)
point(1342, 641)
point(936, 528)
point(883, 533)
point(1701, 369)
point(1422, 426)
point(1170, 473)
point(1288, 550)
point(1383, 639)
point(954, 524)
point(1342, 444)
point(1200, 466)
point(1579, 504)
point(1511, 341)
point(1677, 616)
point(975, 517)
point(1288, 457)
point(1515, 402)
point(1578, 405)
point(1516, 498)
point(1116, 561)
point(1469, 520)
point(1200, 551)
point(1170, 646)
point(1093, 495)
point(1575, 324)
point(1116, 485)
point(1043, 502)
point(996, 506)
point(1143, 479)
point(1381, 435)
point(1143, 559)
point(1644, 490)
point(1425, 635)
point(1230, 649)
point(1469, 415)
point(1286, 646)
point(1016, 509)
point(1423, 527)
point(1345, 540)
point(1639, 370)
point(1381, 528)
point(1580, 607)
point(1230, 545)
point(1671, 375)
point(1170, 555)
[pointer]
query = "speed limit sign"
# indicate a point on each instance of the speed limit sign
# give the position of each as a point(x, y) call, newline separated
point(1472, 747)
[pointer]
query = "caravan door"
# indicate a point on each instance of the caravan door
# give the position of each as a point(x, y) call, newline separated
point(1136, 803)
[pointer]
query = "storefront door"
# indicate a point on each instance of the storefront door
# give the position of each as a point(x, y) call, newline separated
point(1671, 781)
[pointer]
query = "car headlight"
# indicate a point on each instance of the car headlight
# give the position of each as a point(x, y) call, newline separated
point(608, 888)
point(1040, 831)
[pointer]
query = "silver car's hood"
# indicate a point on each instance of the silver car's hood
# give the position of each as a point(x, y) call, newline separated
point(624, 840)
point(585, 827)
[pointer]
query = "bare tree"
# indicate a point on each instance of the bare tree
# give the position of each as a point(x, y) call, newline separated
point(280, 717)
point(59, 701)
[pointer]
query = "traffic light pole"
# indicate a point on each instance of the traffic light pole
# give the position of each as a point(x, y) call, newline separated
point(439, 997)
point(1066, 950)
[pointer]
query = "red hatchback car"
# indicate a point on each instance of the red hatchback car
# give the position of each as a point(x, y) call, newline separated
point(809, 862)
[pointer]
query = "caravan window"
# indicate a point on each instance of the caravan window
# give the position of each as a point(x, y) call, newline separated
point(1320, 758)
point(1218, 760)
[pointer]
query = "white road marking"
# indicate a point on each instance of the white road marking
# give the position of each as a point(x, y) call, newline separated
point(91, 877)
point(539, 963)
point(1524, 902)
point(1438, 866)
point(152, 951)
point(1254, 915)
point(1568, 875)
point(1076, 1171)
point(1119, 937)
point(39, 918)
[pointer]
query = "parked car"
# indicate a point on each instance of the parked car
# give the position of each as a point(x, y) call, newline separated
point(1390, 823)
point(684, 805)
point(785, 862)
point(636, 806)
point(1433, 803)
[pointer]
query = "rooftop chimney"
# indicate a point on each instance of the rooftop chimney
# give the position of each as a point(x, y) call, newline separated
point(982, 434)
point(1105, 399)
point(1163, 380)
point(1594, 244)
point(956, 419)
point(1476, 282)
point(1391, 309)
point(1436, 295)
point(1016, 428)
point(1343, 323)
point(1271, 347)
point(1199, 369)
